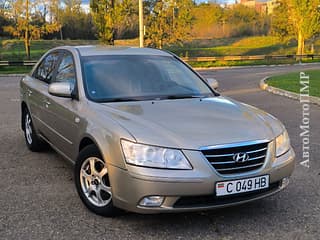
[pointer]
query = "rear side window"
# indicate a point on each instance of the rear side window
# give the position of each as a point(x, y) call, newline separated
point(45, 70)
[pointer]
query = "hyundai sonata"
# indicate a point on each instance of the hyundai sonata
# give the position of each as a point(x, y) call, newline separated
point(148, 134)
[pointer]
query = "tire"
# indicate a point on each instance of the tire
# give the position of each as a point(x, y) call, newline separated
point(33, 142)
point(92, 182)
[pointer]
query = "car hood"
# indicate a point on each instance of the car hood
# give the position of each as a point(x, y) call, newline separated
point(193, 123)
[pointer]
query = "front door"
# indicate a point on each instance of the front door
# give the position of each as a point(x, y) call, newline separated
point(62, 113)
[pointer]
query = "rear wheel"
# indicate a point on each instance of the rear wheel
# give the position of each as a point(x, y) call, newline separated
point(34, 143)
point(92, 182)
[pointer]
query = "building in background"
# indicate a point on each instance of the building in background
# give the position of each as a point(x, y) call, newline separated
point(262, 6)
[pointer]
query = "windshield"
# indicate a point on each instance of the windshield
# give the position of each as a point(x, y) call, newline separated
point(133, 78)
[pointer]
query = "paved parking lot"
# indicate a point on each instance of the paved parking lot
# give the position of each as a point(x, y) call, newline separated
point(38, 199)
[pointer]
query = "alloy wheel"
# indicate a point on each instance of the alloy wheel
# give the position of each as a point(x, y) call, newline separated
point(95, 182)
point(28, 128)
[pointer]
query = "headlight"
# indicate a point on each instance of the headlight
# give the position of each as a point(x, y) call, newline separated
point(156, 157)
point(282, 143)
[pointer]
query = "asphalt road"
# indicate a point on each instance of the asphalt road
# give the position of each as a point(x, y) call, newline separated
point(38, 199)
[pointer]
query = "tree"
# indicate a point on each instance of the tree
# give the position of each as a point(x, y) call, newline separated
point(158, 25)
point(182, 21)
point(208, 20)
point(299, 19)
point(4, 21)
point(168, 21)
point(279, 23)
point(28, 24)
point(126, 19)
point(245, 21)
point(75, 22)
point(77, 25)
point(103, 16)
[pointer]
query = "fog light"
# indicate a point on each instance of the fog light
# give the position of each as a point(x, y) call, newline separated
point(152, 201)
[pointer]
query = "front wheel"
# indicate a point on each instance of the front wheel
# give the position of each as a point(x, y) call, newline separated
point(92, 182)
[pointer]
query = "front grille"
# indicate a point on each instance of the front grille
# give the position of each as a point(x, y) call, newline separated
point(222, 159)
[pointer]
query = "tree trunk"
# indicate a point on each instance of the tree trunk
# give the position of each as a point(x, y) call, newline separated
point(61, 35)
point(300, 50)
point(112, 24)
point(27, 44)
point(26, 36)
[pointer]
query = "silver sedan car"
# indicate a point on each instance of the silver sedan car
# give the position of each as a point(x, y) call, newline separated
point(148, 134)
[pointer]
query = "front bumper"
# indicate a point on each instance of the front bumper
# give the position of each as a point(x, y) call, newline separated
point(191, 190)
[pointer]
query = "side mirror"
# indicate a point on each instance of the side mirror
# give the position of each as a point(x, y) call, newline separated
point(61, 89)
point(213, 83)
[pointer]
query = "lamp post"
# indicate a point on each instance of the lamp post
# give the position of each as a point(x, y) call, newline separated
point(141, 29)
point(26, 37)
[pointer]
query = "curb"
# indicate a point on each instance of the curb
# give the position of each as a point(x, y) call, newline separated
point(264, 86)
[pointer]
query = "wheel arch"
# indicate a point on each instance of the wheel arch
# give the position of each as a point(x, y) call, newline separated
point(86, 141)
point(89, 140)
point(107, 148)
point(24, 108)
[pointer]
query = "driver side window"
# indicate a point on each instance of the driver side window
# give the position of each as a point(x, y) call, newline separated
point(66, 70)
point(45, 70)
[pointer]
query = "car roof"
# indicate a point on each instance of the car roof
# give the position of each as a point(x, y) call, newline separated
point(98, 50)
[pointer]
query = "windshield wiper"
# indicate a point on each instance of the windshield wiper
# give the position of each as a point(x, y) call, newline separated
point(147, 98)
point(184, 96)
point(122, 99)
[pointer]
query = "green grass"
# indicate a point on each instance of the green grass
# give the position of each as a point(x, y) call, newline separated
point(240, 63)
point(14, 49)
point(14, 69)
point(247, 63)
point(291, 82)
point(259, 45)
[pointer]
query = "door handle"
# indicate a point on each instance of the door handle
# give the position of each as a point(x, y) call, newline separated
point(29, 92)
point(47, 103)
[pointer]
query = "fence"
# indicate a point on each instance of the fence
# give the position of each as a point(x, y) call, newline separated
point(254, 57)
point(201, 59)
point(17, 63)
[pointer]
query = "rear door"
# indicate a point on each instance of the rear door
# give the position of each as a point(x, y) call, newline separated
point(37, 89)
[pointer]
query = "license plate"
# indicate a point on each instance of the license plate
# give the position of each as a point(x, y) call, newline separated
point(242, 185)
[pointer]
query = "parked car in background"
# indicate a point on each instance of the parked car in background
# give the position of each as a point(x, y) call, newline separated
point(148, 134)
